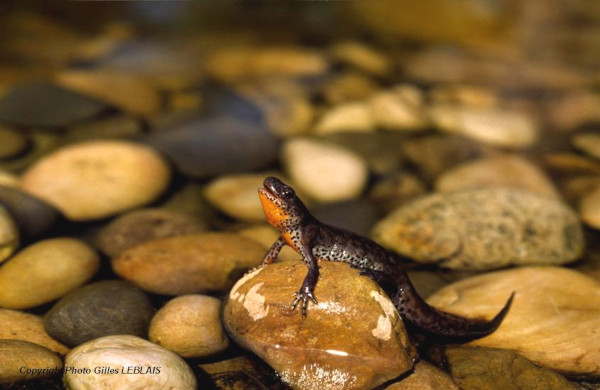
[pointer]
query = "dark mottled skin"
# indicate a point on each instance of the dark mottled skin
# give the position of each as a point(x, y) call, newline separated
point(317, 241)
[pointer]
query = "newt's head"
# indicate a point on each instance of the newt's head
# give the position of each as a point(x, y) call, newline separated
point(280, 203)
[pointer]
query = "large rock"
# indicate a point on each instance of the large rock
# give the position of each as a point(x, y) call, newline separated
point(553, 321)
point(353, 338)
point(18, 325)
point(22, 360)
point(189, 264)
point(98, 179)
point(483, 229)
point(45, 271)
point(126, 362)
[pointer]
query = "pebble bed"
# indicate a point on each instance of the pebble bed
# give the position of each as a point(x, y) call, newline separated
point(129, 218)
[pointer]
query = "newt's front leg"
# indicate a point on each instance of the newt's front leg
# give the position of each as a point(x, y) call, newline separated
point(307, 289)
point(273, 252)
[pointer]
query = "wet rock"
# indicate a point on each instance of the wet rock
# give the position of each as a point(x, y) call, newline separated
point(45, 271)
point(18, 325)
point(588, 143)
point(358, 216)
point(401, 108)
point(33, 216)
point(12, 143)
point(266, 235)
point(324, 171)
point(486, 368)
point(190, 326)
point(433, 155)
point(188, 264)
point(99, 309)
point(362, 57)
point(483, 229)
point(9, 235)
point(553, 321)
point(43, 104)
point(347, 117)
point(135, 94)
point(511, 129)
point(589, 208)
point(121, 356)
point(217, 146)
point(497, 172)
point(235, 195)
point(395, 191)
point(22, 361)
point(425, 377)
point(135, 227)
point(113, 127)
point(98, 179)
point(353, 338)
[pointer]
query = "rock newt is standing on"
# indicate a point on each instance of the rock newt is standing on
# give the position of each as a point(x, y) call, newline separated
point(315, 241)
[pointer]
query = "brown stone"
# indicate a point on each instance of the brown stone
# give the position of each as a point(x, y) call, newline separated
point(22, 361)
point(425, 377)
point(19, 325)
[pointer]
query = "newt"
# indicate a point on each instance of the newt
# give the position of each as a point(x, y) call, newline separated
point(316, 241)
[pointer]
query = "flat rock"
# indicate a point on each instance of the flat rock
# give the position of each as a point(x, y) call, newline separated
point(45, 271)
point(483, 229)
point(494, 126)
point(324, 171)
point(190, 326)
point(129, 362)
point(9, 234)
point(399, 109)
point(553, 321)
point(22, 361)
point(346, 117)
point(136, 95)
point(353, 338)
point(235, 195)
point(18, 325)
point(33, 216)
point(135, 227)
point(497, 171)
point(99, 309)
point(487, 368)
point(188, 264)
point(43, 104)
point(217, 146)
point(97, 179)
point(425, 377)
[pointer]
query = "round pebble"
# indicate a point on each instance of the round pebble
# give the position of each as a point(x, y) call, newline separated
point(353, 338)
point(347, 117)
point(135, 227)
point(98, 179)
point(188, 264)
point(425, 377)
point(362, 57)
point(33, 216)
point(553, 321)
point(12, 143)
point(99, 309)
point(266, 235)
point(22, 361)
point(119, 126)
point(324, 171)
point(484, 229)
point(45, 271)
point(589, 208)
point(497, 172)
point(236, 196)
point(18, 325)
point(126, 362)
point(9, 234)
point(588, 143)
point(401, 109)
point(190, 326)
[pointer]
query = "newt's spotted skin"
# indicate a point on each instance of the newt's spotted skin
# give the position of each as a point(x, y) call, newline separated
point(317, 241)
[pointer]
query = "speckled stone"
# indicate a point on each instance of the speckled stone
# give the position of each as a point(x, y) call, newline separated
point(43, 104)
point(33, 216)
point(18, 325)
point(502, 171)
point(158, 367)
point(217, 146)
point(486, 368)
point(425, 377)
point(190, 326)
point(235, 195)
point(189, 264)
point(354, 337)
point(99, 309)
point(97, 179)
point(45, 271)
point(324, 171)
point(135, 227)
point(483, 229)
point(9, 235)
point(553, 321)
point(19, 358)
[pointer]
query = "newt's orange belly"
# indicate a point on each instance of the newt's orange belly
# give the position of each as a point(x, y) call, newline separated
point(288, 238)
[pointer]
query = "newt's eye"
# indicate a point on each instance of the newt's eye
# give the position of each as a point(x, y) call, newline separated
point(288, 193)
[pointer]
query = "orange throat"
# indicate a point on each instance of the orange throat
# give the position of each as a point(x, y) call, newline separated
point(275, 215)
